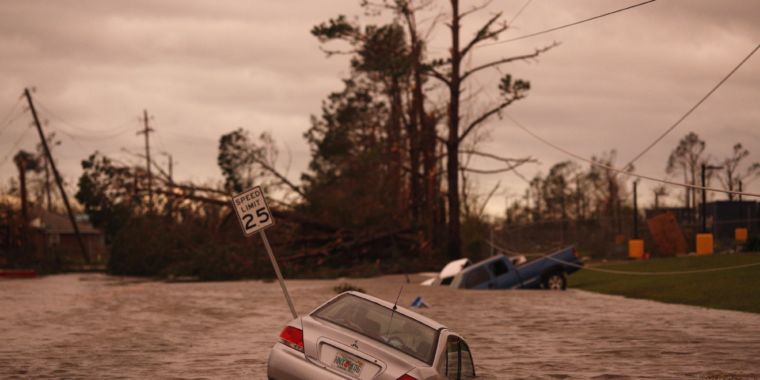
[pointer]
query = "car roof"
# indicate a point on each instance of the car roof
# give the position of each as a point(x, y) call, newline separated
point(399, 309)
point(454, 267)
point(481, 263)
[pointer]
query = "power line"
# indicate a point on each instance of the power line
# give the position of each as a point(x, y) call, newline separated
point(160, 141)
point(519, 12)
point(76, 137)
point(92, 134)
point(664, 273)
point(57, 176)
point(672, 127)
point(628, 173)
point(614, 271)
point(10, 112)
point(15, 145)
point(7, 120)
point(567, 25)
point(11, 121)
point(94, 138)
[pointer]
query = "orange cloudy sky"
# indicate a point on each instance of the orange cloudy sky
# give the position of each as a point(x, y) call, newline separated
point(204, 68)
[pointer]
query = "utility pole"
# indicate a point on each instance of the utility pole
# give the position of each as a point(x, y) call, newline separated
point(146, 131)
point(48, 194)
point(740, 190)
point(635, 211)
point(21, 165)
point(47, 186)
point(704, 200)
point(57, 176)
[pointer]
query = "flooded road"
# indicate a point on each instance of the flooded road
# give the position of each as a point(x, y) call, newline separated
point(95, 326)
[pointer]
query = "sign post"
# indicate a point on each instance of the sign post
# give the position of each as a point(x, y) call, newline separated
point(254, 216)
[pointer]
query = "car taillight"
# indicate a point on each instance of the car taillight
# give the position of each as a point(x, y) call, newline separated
point(407, 377)
point(292, 337)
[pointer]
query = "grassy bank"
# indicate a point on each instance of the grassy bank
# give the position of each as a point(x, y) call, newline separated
point(736, 289)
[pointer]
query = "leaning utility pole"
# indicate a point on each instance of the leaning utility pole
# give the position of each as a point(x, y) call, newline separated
point(146, 131)
point(57, 176)
point(47, 186)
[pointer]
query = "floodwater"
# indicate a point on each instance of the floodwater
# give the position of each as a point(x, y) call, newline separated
point(95, 326)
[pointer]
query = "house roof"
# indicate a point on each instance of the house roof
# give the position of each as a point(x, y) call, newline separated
point(59, 224)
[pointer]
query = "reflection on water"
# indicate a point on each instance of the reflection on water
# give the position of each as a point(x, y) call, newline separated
point(95, 326)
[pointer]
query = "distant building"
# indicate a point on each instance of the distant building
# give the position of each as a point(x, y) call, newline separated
point(52, 234)
point(723, 217)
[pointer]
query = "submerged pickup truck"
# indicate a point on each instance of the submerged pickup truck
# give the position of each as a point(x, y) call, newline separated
point(502, 272)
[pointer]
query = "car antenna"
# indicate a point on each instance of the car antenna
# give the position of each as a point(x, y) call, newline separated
point(397, 297)
point(393, 312)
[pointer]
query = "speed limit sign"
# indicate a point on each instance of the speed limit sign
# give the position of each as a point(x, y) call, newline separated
point(252, 211)
point(254, 216)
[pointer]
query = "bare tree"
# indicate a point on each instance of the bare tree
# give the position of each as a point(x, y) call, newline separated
point(453, 75)
point(686, 159)
point(242, 159)
point(732, 176)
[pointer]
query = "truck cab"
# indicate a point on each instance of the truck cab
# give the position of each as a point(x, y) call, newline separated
point(500, 272)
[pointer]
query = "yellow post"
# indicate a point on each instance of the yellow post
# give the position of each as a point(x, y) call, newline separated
point(636, 248)
point(740, 234)
point(704, 244)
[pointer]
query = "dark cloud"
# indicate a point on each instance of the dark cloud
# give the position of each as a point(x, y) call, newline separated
point(205, 68)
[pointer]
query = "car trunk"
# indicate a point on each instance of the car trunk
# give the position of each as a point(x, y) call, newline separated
point(333, 347)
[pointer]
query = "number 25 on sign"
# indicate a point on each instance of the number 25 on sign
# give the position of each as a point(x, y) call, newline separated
point(254, 216)
point(252, 211)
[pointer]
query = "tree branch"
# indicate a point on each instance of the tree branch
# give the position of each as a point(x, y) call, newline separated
point(438, 75)
point(509, 59)
point(497, 171)
point(483, 33)
point(485, 116)
point(196, 188)
point(279, 176)
point(488, 198)
point(193, 197)
point(329, 53)
point(508, 161)
point(474, 9)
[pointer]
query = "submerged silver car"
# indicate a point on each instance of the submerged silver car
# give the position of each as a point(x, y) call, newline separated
point(357, 336)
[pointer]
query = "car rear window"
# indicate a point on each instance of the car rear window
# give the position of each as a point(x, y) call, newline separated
point(498, 268)
point(475, 277)
point(380, 323)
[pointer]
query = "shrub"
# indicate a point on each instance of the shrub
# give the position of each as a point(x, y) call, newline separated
point(346, 287)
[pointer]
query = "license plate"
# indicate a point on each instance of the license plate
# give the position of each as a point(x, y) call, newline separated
point(348, 363)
